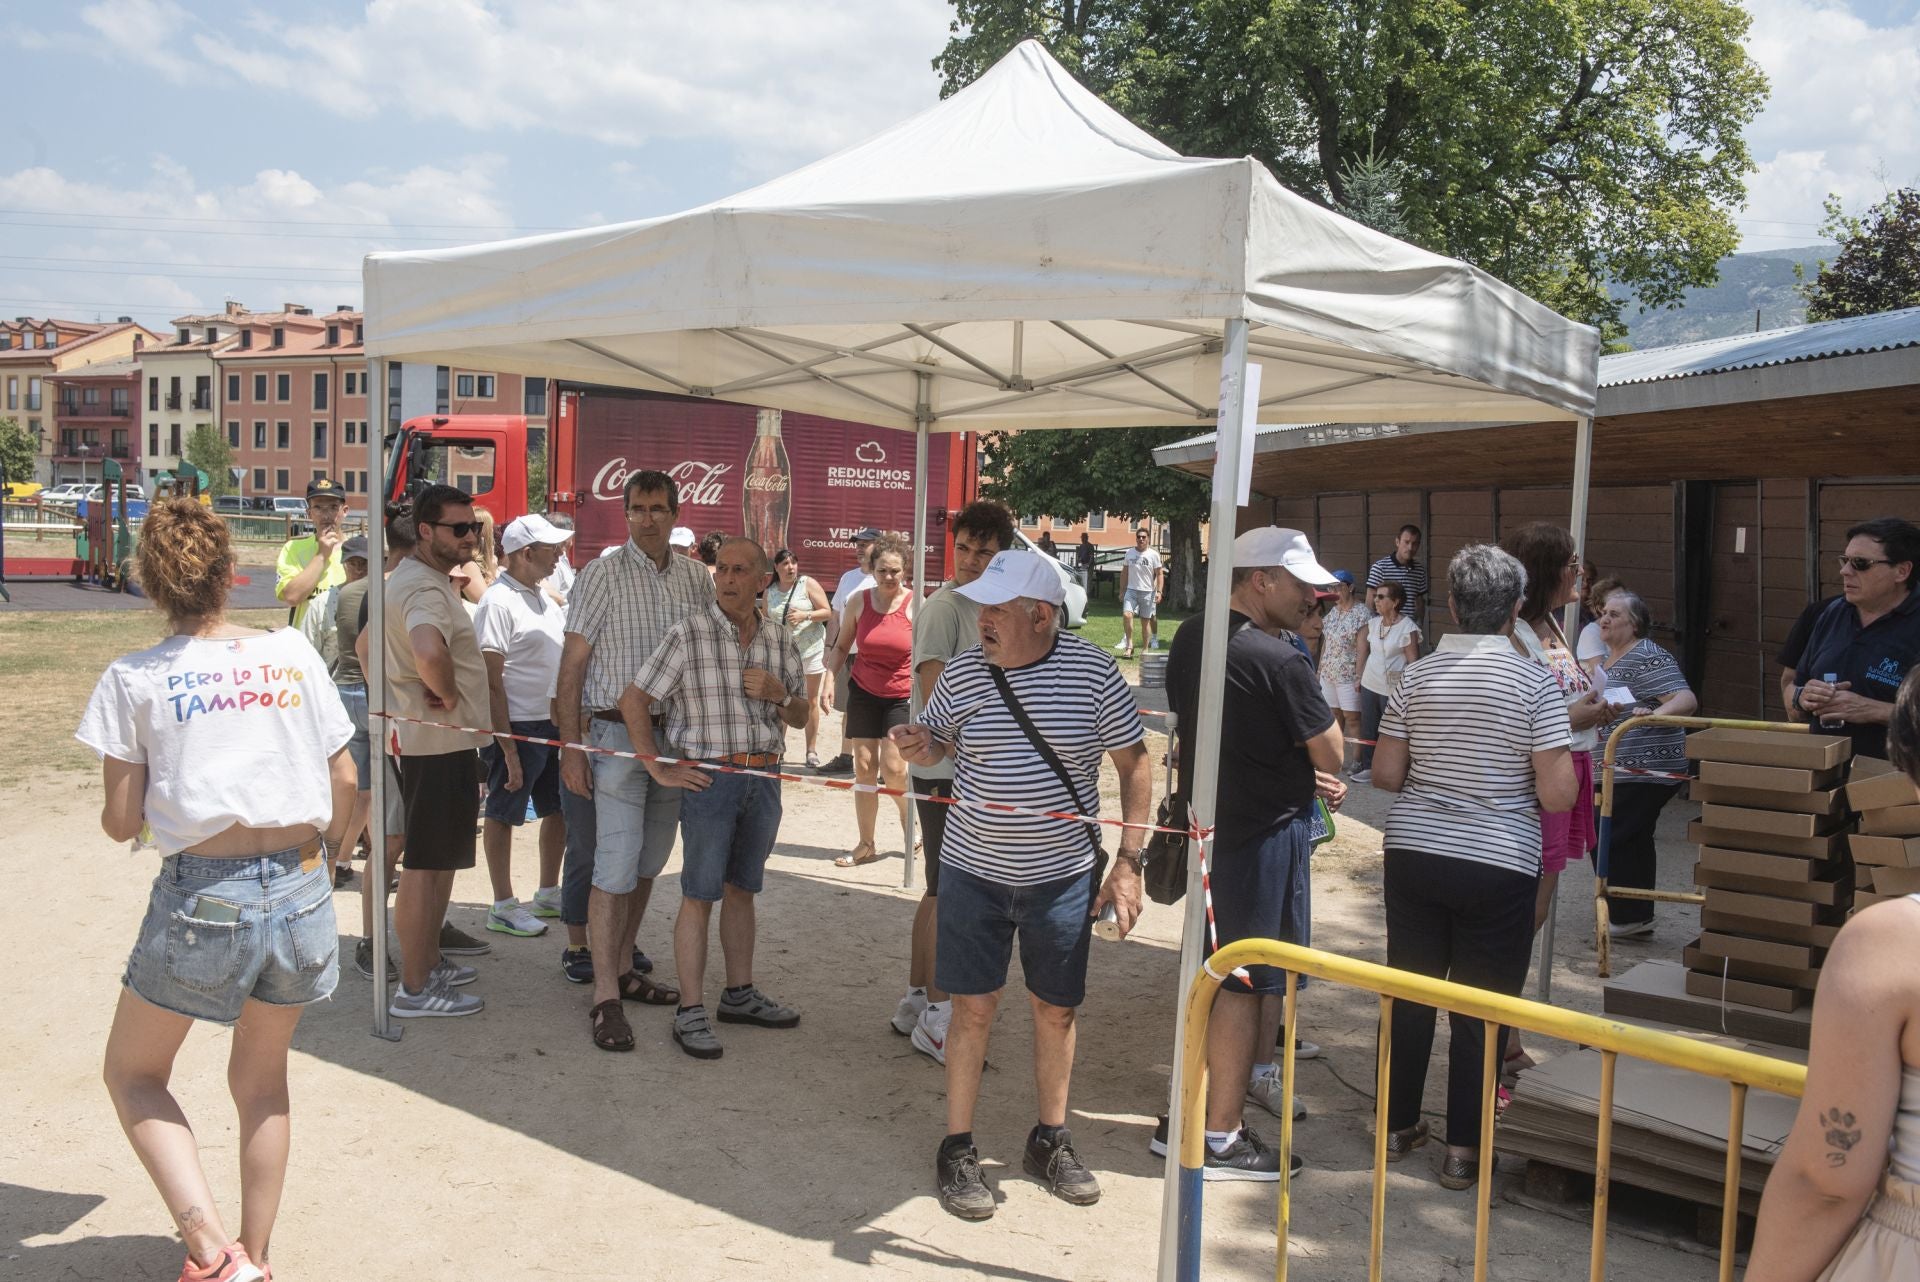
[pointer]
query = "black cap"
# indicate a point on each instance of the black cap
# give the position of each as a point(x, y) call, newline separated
point(323, 488)
point(867, 535)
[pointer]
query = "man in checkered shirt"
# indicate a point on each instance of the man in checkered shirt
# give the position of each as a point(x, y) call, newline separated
point(622, 605)
point(731, 683)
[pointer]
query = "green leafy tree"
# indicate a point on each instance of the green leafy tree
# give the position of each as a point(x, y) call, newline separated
point(537, 481)
point(207, 449)
point(18, 450)
point(1558, 144)
point(1066, 473)
point(1878, 266)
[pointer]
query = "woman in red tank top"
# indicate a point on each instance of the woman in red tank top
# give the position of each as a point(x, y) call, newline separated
point(879, 622)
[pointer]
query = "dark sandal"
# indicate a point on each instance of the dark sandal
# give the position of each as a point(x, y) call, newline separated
point(635, 987)
point(611, 1032)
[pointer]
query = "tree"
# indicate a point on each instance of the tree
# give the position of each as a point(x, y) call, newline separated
point(1558, 144)
point(208, 450)
point(18, 450)
point(1064, 473)
point(1878, 267)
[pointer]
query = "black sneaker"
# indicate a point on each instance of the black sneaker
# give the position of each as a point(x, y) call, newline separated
point(840, 765)
point(577, 965)
point(963, 1189)
point(1248, 1158)
point(1158, 1144)
point(363, 962)
point(456, 942)
point(642, 963)
point(1058, 1167)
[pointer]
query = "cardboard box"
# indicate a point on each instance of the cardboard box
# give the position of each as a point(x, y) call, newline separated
point(1863, 879)
point(1732, 774)
point(1825, 801)
point(1770, 748)
point(1832, 890)
point(1752, 863)
point(1867, 899)
point(1894, 852)
point(1766, 952)
point(1894, 821)
point(1746, 992)
point(1782, 823)
point(1894, 881)
point(1874, 784)
point(1699, 959)
point(1767, 843)
point(1791, 912)
point(1820, 935)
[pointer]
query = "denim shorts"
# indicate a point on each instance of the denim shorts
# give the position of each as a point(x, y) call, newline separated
point(727, 830)
point(220, 931)
point(979, 919)
point(1264, 890)
point(539, 775)
point(636, 818)
point(360, 747)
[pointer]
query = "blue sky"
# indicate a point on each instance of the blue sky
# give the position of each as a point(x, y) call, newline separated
point(162, 156)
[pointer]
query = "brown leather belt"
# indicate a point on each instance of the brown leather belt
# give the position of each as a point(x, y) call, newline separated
point(754, 760)
point(613, 715)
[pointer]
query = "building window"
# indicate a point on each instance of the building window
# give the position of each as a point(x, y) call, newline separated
point(319, 391)
point(1096, 520)
point(118, 397)
point(259, 479)
point(233, 387)
point(486, 387)
point(33, 395)
point(282, 435)
point(246, 339)
point(320, 440)
point(1061, 523)
point(536, 397)
point(173, 439)
point(48, 338)
point(153, 438)
point(279, 336)
point(186, 335)
point(333, 336)
point(349, 384)
point(259, 434)
point(1029, 521)
point(153, 393)
point(280, 479)
point(89, 396)
point(346, 482)
point(13, 392)
point(233, 433)
point(260, 387)
point(359, 331)
point(283, 387)
point(441, 379)
point(6, 340)
point(463, 387)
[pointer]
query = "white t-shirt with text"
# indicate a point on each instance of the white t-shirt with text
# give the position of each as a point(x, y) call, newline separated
point(1143, 565)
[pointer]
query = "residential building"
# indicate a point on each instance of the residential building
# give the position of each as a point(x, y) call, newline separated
point(35, 351)
point(93, 420)
point(180, 386)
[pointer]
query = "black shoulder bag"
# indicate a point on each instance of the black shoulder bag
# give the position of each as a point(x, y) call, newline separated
point(1052, 759)
point(1164, 860)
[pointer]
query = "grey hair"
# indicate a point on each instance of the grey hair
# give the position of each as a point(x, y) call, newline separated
point(1485, 583)
point(1058, 612)
point(1637, 613)
point(560, 520)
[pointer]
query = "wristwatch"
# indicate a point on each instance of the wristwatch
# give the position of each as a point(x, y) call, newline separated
point(1130, 856)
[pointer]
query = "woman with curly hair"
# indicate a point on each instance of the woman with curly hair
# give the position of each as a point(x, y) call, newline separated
point(229, 745)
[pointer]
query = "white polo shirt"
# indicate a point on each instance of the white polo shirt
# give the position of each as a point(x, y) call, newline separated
point(523, 625)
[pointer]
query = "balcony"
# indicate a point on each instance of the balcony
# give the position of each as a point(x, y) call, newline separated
point(203, 400)
point(173, 400)
point(78, 409)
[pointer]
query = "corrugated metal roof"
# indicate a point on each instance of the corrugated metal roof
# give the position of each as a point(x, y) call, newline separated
point(1879, 333)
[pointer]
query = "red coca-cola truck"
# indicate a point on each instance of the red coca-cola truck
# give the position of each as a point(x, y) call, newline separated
point(784, 479)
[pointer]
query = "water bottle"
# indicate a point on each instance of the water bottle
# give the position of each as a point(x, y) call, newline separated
point(1831, 723)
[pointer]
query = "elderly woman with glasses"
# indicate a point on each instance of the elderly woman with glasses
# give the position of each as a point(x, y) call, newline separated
point(1862, 644)
point(1463, 838)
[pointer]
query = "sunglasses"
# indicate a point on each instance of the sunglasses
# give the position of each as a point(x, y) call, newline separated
point(1861, 564)
point(459, 529)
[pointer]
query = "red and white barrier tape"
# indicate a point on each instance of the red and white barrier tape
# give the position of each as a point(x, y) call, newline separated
point(843, 785)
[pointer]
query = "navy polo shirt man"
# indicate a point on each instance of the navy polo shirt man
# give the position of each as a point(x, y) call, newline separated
point(1866, 639)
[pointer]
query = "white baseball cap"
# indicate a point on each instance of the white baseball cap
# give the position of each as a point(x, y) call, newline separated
point(680, 537)
point(1276, 545)
point(525, 531)
point(1013, 574)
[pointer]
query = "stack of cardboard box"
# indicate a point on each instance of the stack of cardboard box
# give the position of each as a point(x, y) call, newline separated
point(1773, 867)
point(1886, 849)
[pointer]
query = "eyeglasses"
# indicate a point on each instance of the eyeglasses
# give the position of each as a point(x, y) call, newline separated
point(459, 529)
point(1861, 564)
point(651, 513)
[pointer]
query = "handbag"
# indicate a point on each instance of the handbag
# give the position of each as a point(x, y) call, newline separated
point(1164, 859)
point(1048, 755)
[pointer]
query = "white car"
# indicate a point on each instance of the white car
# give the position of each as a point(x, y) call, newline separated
point(1076, 595)
point(289, 507)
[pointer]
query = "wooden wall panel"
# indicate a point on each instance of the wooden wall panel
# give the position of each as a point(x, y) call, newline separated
point(1783, 574)
point(1846, 504)
point(1342, 536)
point(1735, 679)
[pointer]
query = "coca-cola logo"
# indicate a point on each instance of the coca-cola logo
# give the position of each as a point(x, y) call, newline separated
point(610, 479)
point(699, 482)
point(767, 483)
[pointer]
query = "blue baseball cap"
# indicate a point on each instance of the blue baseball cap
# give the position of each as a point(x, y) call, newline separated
point(1345, 576)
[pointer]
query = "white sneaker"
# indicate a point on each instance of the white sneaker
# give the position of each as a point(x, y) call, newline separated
point(907, 1013)
point(930, 1031)
point(1304, 1049)
point(1628, 930)
point(1362, 776)
point(509, 918)
point(1265, 1090)
point(546, 902)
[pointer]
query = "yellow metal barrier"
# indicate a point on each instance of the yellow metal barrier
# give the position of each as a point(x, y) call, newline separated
point(1740, 1069)
point(1604, 845)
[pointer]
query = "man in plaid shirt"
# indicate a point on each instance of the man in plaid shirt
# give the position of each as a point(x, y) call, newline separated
point(730, 683)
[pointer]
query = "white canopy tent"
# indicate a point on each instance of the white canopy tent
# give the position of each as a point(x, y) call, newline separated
point(1018, 256)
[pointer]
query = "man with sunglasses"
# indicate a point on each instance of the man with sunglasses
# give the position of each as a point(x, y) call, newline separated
point(435, 673)
point(1862, 644)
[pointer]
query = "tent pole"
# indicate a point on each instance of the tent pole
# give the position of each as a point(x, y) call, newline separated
point(1205, 748)
point(922, 425)
point(377, 870)
point(1577, 526)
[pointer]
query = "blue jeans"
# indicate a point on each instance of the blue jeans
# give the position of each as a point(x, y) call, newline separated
point(635, 817)
point(979, 920)
point(1372, 708)
point(576, 868)
point(1264, 890)
point(727, 830)
point(360, 747)
point(539, 775)
point(220, 931)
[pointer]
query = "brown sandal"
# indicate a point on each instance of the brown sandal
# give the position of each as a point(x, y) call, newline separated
point(635, 987)
point(611, 1032)
point(855, 859)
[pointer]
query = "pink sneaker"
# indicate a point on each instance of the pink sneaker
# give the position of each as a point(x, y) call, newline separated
point(232, 1266)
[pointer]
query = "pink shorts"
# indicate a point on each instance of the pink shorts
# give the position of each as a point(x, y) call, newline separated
point(1565, 838)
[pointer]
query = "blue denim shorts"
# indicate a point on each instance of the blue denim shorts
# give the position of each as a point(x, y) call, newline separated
point(360, 747)
point(635, 818)
point(1264, 890)
point(979, 919)
point(220, 931)
point(539, 775)
point(727, 831)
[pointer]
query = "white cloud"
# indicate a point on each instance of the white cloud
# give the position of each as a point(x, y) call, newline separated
point(142, 32)
point(1843, 116)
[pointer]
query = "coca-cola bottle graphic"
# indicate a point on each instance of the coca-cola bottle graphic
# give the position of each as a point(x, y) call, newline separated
point(767, 489)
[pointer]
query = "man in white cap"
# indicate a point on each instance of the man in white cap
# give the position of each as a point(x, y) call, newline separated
point(680, 539)
point(1026, 717)
point(520, 629)
point(1279, 746)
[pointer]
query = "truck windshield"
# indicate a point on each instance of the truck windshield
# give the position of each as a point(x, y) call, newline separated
point(465, 465)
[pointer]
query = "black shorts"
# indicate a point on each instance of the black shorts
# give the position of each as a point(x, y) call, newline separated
point(870, 716)
point(441, 796)
point(933, 825)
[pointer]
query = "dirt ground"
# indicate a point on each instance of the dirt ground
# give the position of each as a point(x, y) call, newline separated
point(507, 1145)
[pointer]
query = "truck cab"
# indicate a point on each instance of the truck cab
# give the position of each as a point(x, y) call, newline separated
point(485, 455)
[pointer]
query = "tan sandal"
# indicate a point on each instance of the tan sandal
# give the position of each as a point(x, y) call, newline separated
point(856, 858)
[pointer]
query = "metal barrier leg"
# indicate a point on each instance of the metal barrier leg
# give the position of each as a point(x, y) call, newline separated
point(1384, 1058)
point(1287, 1037)
point(1730, 1194)
point(1602, 1170)
point(1483, 1193)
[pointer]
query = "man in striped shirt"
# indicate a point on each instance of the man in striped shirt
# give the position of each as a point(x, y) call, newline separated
point(1021, 875)
point(1400, 567)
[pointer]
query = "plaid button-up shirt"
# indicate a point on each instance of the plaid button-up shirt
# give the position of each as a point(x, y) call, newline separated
point(699, 674)
point(623, 605)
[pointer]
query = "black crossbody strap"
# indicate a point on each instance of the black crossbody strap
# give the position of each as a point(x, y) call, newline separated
point(1045, 750)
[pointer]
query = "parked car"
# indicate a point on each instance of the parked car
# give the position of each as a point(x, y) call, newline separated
point(289, 506)
point(66, 492)
point(243, 505)
point(1076, 595)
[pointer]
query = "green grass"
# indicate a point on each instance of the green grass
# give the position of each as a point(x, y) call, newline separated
point(1102, 627)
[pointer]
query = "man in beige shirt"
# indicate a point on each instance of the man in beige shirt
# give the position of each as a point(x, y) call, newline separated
point(435, 673)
